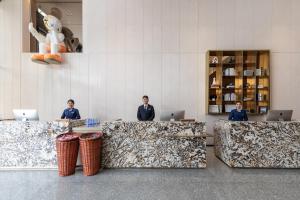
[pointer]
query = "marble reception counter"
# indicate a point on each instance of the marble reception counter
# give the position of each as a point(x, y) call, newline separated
point(125, 144)
point(154, 144)
point(258, 144)
point(29, 144)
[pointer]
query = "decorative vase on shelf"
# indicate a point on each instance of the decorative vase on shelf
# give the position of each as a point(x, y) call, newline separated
point(214, 84)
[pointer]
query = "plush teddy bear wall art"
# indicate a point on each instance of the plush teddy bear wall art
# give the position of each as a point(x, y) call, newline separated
point(51, 45)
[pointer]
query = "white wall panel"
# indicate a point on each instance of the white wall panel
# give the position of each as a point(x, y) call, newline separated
point(10, 57)
point(188, 26)
point(202, 85)
point(170, 82)
point(29, 83)
point(170, 26)
point(262, 24)
point(134, 84)
point(44, 92)
point(98, 86)
point(116, 26)
point(134, 26)
point(281, 26)
point(95, 27)
point(189, 86)
point(116, 86)
point(244, 24)
point(295, 26)
point(152, 81)
point(153, 47)
point(61, 87)
point(281, 70)
point(226, 24)
point(295, 71)
point(152, 33)
point(207, 25)
point(79, 66)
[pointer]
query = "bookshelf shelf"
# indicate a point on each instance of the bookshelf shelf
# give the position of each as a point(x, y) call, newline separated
point(242, 69)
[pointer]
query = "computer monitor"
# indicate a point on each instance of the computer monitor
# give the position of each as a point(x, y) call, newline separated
point(26, 115)
point(279, 115)
point(168, 115)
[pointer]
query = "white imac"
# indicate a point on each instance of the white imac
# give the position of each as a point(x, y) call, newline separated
point(26, 114)
point(279, 115)
point(169, 115)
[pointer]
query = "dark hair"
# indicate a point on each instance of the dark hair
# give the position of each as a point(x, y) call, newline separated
point(145, 96)
point(238, 102)
point(71, 100)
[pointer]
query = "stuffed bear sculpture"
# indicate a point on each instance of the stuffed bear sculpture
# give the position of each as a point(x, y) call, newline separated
point(51, 45)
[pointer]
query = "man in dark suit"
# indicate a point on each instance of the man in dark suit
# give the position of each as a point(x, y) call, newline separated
point(146, 111)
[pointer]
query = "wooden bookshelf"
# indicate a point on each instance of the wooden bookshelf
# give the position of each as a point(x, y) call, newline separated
point(240, 75)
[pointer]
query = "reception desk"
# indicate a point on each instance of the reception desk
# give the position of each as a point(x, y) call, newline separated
point(126, 144)
point(29, 144)
point(258, 144)
point(154, 144)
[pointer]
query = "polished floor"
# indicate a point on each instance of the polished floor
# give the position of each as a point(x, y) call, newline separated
point(217, 181)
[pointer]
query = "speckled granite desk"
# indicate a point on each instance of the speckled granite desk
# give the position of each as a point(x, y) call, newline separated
point(126, 144)
point(258, 144)
point(29, 144)
point(154, 144)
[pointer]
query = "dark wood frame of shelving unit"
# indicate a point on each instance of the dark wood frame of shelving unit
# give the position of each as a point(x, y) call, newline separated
point(243, 60)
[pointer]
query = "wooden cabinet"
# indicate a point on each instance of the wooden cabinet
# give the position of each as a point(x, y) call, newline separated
point(242, 75)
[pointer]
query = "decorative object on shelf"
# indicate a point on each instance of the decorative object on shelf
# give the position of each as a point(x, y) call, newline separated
point(260, 86)
point(215, 109)
point(249, 86)
point(230, 72)
point(50, 45)
point(213, 97)
point(233, 97)
point(215, 84)
point(230, 85)
point(230, 97)
point(228, 59)
point(211, 71)
point(248, 99)
point(263, 109)
point(229, 107)
point(227, 97)
point(214, 60)
point(72, 43)
point(260, 72)
point(260, 97)
point(248, 72)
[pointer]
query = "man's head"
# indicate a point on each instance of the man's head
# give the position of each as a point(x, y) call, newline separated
point(70, 103)
point(238, 105)
point(145, 99)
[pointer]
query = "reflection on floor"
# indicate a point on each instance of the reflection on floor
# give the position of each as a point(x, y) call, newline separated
point(217, 181)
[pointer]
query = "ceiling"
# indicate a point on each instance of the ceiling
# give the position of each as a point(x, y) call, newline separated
point(59, 1)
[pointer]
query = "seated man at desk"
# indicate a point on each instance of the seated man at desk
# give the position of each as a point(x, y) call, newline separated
point(70, 112)
point(238, 114)
point(146, 111)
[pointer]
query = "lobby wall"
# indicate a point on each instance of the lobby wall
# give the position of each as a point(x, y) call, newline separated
point(153, 47)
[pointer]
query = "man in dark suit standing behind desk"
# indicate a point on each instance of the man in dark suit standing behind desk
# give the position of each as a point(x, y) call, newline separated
point(146, 111)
